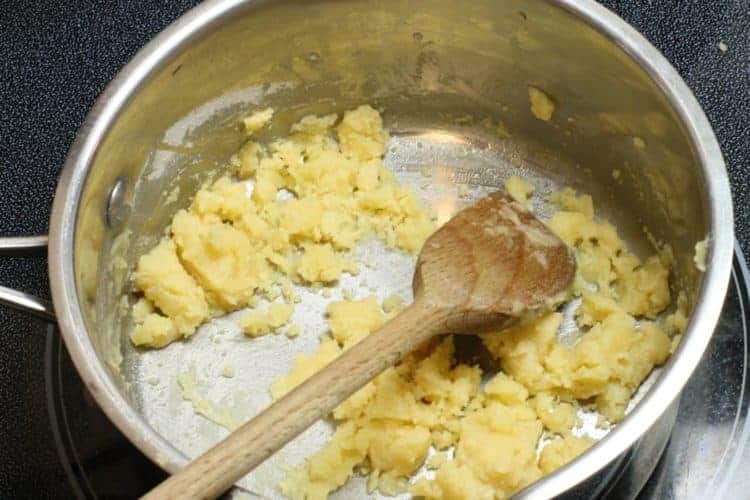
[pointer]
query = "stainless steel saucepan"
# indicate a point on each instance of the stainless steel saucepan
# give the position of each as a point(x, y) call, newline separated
point(452, 80)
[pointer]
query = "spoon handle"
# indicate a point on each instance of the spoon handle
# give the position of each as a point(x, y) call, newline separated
point(220, 467)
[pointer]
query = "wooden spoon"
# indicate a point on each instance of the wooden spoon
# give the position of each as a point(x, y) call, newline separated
point(490, 263)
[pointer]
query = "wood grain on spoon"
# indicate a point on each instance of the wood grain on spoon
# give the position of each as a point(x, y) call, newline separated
point(490, 263)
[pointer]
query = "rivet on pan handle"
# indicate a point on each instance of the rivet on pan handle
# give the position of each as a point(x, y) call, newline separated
point(19, 300)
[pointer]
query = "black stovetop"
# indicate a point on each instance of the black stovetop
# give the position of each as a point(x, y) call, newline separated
point(55, 59)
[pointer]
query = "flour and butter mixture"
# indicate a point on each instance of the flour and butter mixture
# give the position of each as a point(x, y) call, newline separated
point(293, 212)
point(312, 200)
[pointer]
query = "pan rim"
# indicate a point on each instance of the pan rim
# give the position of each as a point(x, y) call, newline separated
point(159, 51)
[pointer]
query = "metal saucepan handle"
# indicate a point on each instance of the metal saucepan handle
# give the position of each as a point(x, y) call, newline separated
point(25, 245)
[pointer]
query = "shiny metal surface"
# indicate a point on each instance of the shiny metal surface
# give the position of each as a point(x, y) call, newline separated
point(27, 303)
point(24, 245)
point(117, 210)
point(166, 123)
point(709, 451)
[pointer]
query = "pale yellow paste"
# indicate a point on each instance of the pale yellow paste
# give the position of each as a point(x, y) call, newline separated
point(201, 404)
point(386, 429)
point(519, 190)
point(229, 247)
point(255, 323)
point(701, 252)
point(393, 304)
point(257, 120)
point(542, 105)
